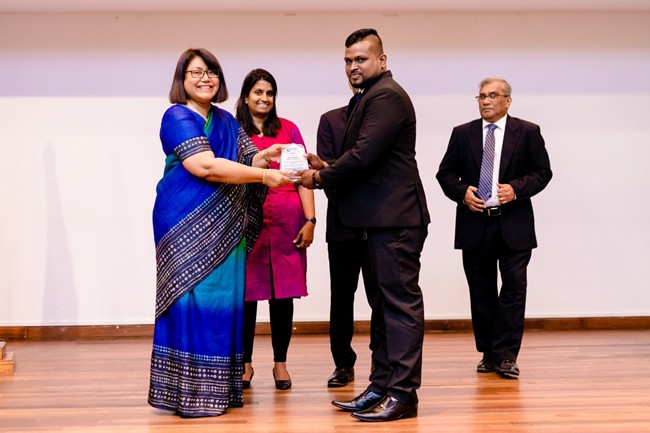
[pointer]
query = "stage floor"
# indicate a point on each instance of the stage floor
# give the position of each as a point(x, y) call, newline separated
point(571, 381)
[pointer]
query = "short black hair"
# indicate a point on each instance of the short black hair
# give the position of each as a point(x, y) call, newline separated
point(361, 34)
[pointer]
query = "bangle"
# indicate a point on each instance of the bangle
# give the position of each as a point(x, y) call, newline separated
point(313, 180)
point(263, 176)
point(265, 155)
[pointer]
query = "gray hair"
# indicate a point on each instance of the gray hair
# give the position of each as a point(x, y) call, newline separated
point(505, 86)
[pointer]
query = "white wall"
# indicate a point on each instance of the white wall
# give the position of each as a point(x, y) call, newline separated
point(81, 96)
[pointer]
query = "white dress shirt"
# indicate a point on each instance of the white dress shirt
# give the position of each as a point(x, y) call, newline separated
point(498, 145)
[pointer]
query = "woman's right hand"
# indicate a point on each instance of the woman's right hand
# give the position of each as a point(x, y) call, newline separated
point(275, 151)
point(275, 178)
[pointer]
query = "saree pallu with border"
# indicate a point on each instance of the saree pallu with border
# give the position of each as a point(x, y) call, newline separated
point(203, 231)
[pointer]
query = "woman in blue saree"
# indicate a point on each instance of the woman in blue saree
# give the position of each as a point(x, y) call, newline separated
point(206, 217)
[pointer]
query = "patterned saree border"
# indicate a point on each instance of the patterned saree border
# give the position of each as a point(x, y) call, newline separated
point(194, 385)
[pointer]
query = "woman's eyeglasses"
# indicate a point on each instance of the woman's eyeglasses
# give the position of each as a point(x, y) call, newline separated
point(199, 73)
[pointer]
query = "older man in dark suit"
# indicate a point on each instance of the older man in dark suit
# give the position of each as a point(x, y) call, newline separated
point(491, 169)
point(380, 194)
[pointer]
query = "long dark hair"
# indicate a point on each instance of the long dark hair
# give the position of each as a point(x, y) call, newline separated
point(177, 93)
point(272, 124)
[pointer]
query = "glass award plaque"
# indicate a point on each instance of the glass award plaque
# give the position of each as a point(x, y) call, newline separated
point(292, 160)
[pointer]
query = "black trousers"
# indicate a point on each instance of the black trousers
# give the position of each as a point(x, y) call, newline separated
point(397, 323)
point(497, 316)
point(281, 317)
point(346, 259)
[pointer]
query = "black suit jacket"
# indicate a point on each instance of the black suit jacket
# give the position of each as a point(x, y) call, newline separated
point(329, 146)
point(524, 165)
point(376, 179)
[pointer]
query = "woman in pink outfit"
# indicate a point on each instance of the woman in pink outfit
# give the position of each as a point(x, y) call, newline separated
point(276, 269)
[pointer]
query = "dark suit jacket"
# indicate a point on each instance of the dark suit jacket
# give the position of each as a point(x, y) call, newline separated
point(524, 165)
point(329, 146)
point(376, 179)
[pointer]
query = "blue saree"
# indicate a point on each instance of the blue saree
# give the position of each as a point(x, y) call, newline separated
point(203, 231)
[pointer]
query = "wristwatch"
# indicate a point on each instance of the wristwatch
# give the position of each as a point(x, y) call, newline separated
point(310, 220)
point(316, 184)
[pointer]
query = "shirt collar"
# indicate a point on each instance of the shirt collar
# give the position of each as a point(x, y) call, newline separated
point(501, 123)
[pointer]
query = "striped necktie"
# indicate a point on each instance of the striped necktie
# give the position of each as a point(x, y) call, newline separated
point(487, 165)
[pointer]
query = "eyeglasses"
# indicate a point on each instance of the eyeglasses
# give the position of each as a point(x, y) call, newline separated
point(199, 73)
point(491, 96)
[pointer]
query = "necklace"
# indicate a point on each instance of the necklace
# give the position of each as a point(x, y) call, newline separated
point(260, 126)
point(199, 110)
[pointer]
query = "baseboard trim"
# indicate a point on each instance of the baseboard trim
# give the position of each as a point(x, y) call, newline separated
point(98, 332)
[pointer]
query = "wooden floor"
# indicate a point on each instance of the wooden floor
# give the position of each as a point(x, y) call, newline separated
point(577, 381)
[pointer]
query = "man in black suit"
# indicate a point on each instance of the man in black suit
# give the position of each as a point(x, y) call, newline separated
point(380, 194)
point(345, 253)
point(491, 169)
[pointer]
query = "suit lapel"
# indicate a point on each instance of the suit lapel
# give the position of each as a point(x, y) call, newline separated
point(354, 104)
point(510, 138)
point(352, 108)
point(476, 142)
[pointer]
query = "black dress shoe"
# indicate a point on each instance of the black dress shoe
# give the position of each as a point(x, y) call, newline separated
point(486, 366)
point(508, 369)
point(340, 377)
point(363, 401)
point(282, 385)
point(388, 409)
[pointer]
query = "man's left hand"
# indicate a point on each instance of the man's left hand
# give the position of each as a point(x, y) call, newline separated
point(315, 161)
point(505, 193)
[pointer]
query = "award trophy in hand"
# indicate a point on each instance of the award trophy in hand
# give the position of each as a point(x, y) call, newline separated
point(292, 160)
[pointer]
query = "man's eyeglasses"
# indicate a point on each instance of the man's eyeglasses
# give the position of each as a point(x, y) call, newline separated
point(199, 73)
point(490, 96)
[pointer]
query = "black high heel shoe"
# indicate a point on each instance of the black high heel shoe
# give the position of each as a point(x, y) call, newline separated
point(282, 385)
point(245, 384)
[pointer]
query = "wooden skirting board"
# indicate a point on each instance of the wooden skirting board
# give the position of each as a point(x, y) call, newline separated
point(44, 333)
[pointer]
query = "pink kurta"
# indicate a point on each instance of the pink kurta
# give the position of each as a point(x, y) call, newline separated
point(274, 256)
